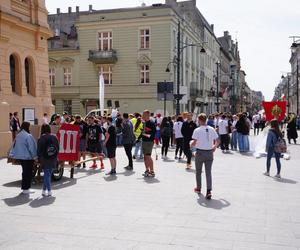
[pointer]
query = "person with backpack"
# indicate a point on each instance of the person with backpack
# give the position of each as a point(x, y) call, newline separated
point(138, 128)
point(128, 139)
point(166, 133)
point(274, 137)
point(47, 151)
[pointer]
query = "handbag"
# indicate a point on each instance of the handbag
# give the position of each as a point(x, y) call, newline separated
point(280, 146)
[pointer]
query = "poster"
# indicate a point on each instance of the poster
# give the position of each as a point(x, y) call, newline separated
point(29, 115)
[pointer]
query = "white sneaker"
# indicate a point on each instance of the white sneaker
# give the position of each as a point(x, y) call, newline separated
point(27, 191)
point(50, 193)
point(44, 193)
point(277, 176)
point(267, 174)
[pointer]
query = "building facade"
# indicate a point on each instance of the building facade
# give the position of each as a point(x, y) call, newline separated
point(24, 84)
point(295, 75)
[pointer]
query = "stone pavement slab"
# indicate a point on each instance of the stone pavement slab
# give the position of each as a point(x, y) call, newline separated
point(94, 211)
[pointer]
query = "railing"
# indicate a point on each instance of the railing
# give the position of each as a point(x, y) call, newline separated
point(101, 56)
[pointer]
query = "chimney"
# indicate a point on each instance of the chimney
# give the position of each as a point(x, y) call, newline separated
point(58, 11)
point(90, 8)
point(70, 10)
point(212, 27)
point(77, 9)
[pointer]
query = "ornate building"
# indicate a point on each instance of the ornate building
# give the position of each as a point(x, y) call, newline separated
point(24, 81)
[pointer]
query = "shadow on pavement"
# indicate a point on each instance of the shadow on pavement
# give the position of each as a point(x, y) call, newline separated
point(190, 170)
point(18, 200)
point(150, 180)
point(42, 201)
point(215, 204)
point(127, 173)
point(110, 178)
point(284, 180)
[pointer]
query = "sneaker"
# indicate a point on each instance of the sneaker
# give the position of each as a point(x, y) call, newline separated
point(267, 174)
point(102, 165)
point(208, 195)
point(188, 166)
point(197, 190)
point(277, 176)
point(50, 193)
point(112, 172)
point(129, 168)
point(27, 191)
point(176, 158)
point(151, 174)
point(94, 166)
point(163, 157)
point(44, 193)
point(133, 157)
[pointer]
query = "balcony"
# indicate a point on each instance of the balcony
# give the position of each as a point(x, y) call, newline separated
point(103, 57)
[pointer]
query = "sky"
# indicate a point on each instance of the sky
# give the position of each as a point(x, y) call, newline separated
point(261, 27)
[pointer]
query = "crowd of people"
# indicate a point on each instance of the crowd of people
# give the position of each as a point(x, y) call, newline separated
point(139, 134)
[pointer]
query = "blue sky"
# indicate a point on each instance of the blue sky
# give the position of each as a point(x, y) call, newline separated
point(262, 28)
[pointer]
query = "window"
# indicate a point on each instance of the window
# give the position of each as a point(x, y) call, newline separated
point(52, 76)
point(67, 106)
point(12, 63)
point(106, 71)
point(105, 41)
point(145, 74)
point(15, 74)
point(29, 76)
point(145, 38)
point(67, 76)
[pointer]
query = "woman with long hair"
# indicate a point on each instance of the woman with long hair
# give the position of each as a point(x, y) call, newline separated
point(166, 132)
point(274, 134)
point(24, 149)
point(178, 137)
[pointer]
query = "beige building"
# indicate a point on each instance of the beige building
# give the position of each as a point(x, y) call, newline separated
point(24, 81)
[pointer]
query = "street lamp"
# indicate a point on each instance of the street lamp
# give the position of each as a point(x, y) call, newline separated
point(288, 91)
point(179, 96)
point(217, 81)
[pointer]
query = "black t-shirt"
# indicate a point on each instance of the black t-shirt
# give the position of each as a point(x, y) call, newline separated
point(149, 129)
point(94, 133)
point(112, 137)
point(83, 129)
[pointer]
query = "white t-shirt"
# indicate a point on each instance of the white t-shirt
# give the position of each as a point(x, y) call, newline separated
point(255, 119)
point(223, 125)
point(177, 129)
point(205, 136)
point(45, 120)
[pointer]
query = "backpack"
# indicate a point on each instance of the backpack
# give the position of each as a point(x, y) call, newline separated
point(280, 146)
point(166, 131)
point(51, 150)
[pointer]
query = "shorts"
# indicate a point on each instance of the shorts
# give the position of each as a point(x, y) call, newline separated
point(111, 152)
point(94, 147)
point(82, 145)
point(147, 147)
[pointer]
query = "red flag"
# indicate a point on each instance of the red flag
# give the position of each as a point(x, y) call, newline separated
point(68, 136)
point(274, 110)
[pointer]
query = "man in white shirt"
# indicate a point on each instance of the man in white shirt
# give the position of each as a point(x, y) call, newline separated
point(45, 119)
point(205, 140)
point(223, 132)
point(178, 137)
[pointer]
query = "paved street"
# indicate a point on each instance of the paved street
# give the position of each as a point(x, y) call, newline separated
point(92, 211)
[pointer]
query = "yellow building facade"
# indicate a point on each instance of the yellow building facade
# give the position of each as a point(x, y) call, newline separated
point(24, 79)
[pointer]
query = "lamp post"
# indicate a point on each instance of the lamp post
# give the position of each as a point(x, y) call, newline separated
point(180, 49)
point(217, 81)
point(288, 91)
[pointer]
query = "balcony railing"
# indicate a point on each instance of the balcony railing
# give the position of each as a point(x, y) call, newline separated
point(103, 57)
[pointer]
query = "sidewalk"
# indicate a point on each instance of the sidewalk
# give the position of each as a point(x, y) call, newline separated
point(93, 211)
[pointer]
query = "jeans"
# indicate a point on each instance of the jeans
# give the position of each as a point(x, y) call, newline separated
point(119, 139)
point(165, 145)
point(138, 149)
point(179, 146)
point(243, 142)
point(47, 179)
point(205, 157)
point(128, 150)
point(233, 141)
point(27, 168)
point(277, 157)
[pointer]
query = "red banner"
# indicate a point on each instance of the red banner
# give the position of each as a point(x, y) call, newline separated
point(275, 110)
point(68, 136)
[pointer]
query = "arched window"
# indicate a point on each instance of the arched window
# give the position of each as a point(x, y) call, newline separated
point(12, 64)
point(29, 76)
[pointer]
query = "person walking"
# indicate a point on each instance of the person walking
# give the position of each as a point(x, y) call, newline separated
point(187, 130)
point(234, 134)
point(128, 139)
point(15, 125)
point(119, 122)
point(256, 123)
point(111, 145)
point(274, 134)
point(292, 130)
point(205, 140)
point(24, 149)
point(178, 137)
point(82, 143)
point(47, 151)
point(224, 133)
point(147, 144)
point(138, 131)
point(243, 132)
point(166, 133)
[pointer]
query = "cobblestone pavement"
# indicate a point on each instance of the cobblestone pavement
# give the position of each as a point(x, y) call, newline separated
point(93, 211)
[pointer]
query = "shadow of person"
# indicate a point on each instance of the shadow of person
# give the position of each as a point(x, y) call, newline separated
point(42, 201)
point(63, 183)
point(110, 178)
point(168, 160)
point(285, 180)
point(18, 200)
point(13, 184)
point(190, 170)
point(215, 204)
point(127, 173)
point(151, 180)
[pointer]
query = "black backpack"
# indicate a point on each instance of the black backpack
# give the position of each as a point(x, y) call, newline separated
point(51, 150)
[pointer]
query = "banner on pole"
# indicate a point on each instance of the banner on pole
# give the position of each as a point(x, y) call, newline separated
point(275, 110)
point(68, 137)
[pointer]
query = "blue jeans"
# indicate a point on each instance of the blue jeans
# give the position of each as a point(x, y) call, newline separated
point(243, 142)
point(47, 179)
point(119, 139)
point(137, 149)
point(277, 157)
point(233, 142)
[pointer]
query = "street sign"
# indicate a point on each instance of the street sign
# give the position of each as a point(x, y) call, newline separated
point(165, 90)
